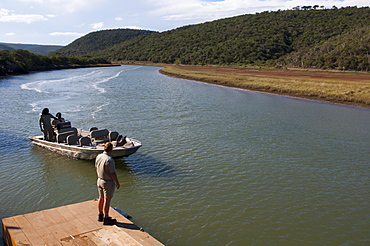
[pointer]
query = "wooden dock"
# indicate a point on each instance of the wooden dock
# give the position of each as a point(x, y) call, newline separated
point(74, 224)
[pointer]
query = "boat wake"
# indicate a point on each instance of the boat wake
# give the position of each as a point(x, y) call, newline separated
point(97, 83)
point(65, 91)
point(42, 86)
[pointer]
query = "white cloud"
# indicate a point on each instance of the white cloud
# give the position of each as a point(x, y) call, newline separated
point(119, 19)
point(201, 10)
point(66, 34)
point(197, 9)
point(10, 34)
point(8, 16)
point(62, 6)
point(98, 25)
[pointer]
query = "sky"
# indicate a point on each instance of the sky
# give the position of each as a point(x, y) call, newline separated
point(60, 22)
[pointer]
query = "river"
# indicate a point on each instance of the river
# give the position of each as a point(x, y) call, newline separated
point(218, 166)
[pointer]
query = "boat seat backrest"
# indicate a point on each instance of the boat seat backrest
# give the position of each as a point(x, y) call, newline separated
point(93, 129)
point(68, 130)
point(62, 136)
point(85, 141)
point(113, 136)
point(100, 136)
point(72, 139)
point(63, 126)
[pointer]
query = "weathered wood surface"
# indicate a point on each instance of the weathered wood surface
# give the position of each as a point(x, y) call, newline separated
point(74, 224)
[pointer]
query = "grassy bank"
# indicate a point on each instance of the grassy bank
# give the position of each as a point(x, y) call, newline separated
point(337, 87)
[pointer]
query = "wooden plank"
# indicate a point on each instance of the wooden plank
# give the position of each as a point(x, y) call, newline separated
point(109, 236)
point(66, 213)
point(88, 220)
point(85, 239)
point(74, 224)
point(55, 215)
point(69, 242)
point(29, 231)
point(134, 231)
point(82, 239)
point(15, 232)
point(38, 225)
point(121, 236)
point(46, 219)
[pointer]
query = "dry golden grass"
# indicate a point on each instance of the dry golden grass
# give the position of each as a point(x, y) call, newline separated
point(338, 87)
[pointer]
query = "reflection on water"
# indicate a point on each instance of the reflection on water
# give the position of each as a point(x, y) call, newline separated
point(218, 166)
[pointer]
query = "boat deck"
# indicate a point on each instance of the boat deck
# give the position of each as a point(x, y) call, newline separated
point(74, 224)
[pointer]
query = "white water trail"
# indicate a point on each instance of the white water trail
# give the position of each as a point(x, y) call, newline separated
point(39, 86)
point(98, 109)
point(97, 83)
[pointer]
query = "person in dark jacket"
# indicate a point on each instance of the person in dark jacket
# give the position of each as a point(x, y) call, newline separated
point(45, 124)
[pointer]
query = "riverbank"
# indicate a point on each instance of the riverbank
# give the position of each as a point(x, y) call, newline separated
point(350, 88)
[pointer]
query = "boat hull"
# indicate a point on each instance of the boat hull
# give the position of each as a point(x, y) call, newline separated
point(85, 152)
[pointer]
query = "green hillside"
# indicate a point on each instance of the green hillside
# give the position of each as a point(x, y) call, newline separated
point(22, 61)
point(100, 40)
point(325, 38)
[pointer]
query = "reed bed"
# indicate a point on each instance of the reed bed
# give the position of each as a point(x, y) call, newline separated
point(337, 87)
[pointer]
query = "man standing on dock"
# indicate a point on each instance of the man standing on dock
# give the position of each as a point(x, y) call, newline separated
point(107, 181)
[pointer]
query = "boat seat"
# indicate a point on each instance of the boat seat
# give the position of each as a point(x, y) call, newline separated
point(93, 129)
point(62, 136)
point(67, 130)
point(64, 126)
point(113, 136)
point(72, 139)
point(99, 136)
point(85, 141)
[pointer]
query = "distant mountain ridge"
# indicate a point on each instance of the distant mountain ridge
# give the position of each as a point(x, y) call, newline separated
point(326, 39)
point(34, 48)
point(3, 46)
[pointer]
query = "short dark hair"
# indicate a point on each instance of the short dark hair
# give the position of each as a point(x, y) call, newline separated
point(108, 147)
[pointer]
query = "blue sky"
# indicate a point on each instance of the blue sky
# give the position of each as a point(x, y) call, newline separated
point(60, 22)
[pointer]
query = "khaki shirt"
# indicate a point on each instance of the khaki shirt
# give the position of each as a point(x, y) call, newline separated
point(105, 165)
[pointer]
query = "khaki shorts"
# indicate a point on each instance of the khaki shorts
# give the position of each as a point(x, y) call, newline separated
point(106, 188)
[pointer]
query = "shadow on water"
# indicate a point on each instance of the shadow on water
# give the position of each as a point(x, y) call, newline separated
point(12, 142)
point(138, 163)
point(146, 165)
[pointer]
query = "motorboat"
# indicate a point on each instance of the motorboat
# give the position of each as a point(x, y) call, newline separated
point(86, 144)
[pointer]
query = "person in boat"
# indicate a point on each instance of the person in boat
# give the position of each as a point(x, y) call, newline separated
point(107, 182)
point(45, 124)
point(57, 120)
point(59, 117)
point(122, 141)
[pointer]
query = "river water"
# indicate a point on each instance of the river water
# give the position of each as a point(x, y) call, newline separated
point(218, 166)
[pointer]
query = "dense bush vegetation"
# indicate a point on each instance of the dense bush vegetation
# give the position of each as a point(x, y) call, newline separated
point(303, 37)
point(350, 51)
point(100, 40)
point(23, 61)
